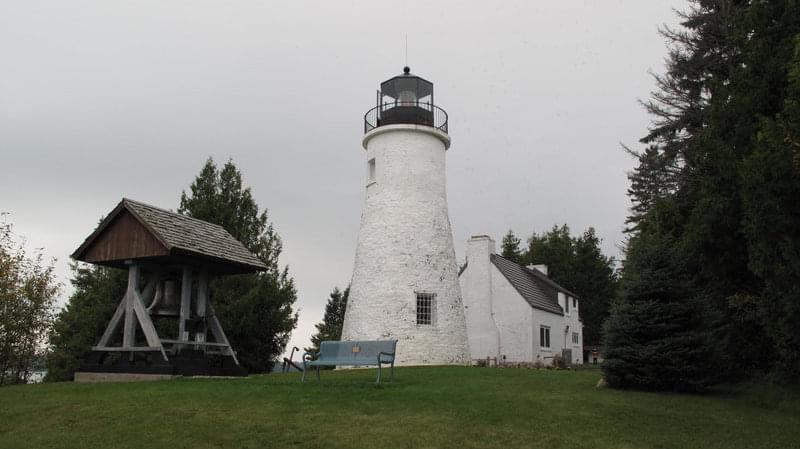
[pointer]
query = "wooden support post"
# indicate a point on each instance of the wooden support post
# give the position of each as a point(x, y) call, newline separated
point(115, 322)
point(186, 301)
point(129, 331)
point(147, 324)
point(200, 305)
point(218, 333)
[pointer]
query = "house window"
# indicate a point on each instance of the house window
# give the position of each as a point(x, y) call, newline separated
point(544, 337)
point(566, 302)
point(371, 170)
point(575, 337)
point(574, 303)
point(425, 304)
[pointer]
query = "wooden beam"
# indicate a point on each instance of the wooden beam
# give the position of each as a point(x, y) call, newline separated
point(202, 301)
point(217, 332)
point(205, 343)
point(131, 349)
point(129, 331)
point(186, 300)
point(147, 324)
point(113, 325)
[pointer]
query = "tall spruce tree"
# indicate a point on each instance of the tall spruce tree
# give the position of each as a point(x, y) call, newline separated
point(723, 124)
point(655, 338)
point(653, 179)
point(510, 247)
point(771, 189)
point(594, 279)
point(330, 329)
point(255, 309)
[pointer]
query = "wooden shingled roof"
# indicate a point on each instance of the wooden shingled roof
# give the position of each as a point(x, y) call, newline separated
point(139, 231)
point(538, 290)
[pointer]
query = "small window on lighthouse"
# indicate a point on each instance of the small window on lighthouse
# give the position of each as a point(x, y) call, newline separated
point(371, 171)
point(425, 304)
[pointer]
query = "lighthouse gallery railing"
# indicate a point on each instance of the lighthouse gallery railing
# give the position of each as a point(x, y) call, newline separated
point(412, 113)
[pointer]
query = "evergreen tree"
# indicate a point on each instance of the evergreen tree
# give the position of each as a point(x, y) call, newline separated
point(771, 209)
point(722, 145)
point(98, 291)
point(654, 337)
point(653, 179)
point(594, 280)
point(510, 247)
point(330, 329)
point(578, 264)
point(556, 249)
point(254, 309)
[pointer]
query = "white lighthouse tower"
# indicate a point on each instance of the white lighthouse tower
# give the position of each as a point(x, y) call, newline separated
point(405, 280)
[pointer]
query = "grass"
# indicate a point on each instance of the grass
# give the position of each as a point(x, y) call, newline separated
point(435, 407)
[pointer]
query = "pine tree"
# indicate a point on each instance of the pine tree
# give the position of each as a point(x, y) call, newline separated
point(510, 247)
point(330, 329)
point(80, 324)
point(653, 179)
point(578, 264)
point(770, 194)
point(254, 309)
point(722, 137)
point(594, 280)
point(556, 249)
point(654, 336)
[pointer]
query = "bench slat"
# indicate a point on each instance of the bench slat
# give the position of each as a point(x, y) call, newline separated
point(356, 350)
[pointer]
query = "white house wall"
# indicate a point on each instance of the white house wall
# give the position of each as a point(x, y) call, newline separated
point(513, 316)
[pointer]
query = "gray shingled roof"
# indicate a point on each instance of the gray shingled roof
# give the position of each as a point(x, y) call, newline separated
point(182, 236)
point(192, 236)
point(536, 288)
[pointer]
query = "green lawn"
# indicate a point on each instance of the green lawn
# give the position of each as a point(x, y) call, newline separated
point(424, 408)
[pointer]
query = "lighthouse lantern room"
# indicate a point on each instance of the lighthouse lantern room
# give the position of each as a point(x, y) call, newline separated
point(405, 99)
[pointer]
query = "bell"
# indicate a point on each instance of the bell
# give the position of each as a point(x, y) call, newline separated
point(166, 301)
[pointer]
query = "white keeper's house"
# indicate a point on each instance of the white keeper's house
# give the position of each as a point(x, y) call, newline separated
point(516, 313)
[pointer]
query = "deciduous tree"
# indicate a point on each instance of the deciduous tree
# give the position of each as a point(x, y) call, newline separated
point(28, 291)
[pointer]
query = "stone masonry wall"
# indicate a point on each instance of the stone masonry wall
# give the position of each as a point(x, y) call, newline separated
point(405, 246)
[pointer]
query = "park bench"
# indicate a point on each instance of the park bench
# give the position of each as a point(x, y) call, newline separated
point(351, 353)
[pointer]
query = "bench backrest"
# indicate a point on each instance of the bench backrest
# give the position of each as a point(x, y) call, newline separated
point(356, 350)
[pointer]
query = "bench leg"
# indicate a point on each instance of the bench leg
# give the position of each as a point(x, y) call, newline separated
point(305, 370)
point(318, 374)
point(379, 373)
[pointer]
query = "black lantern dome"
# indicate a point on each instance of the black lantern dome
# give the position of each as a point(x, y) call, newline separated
point(405, 99)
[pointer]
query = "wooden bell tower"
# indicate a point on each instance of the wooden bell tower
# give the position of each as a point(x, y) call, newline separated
point(170, 259)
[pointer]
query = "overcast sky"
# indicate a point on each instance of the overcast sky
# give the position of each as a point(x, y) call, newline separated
point(101, 100)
